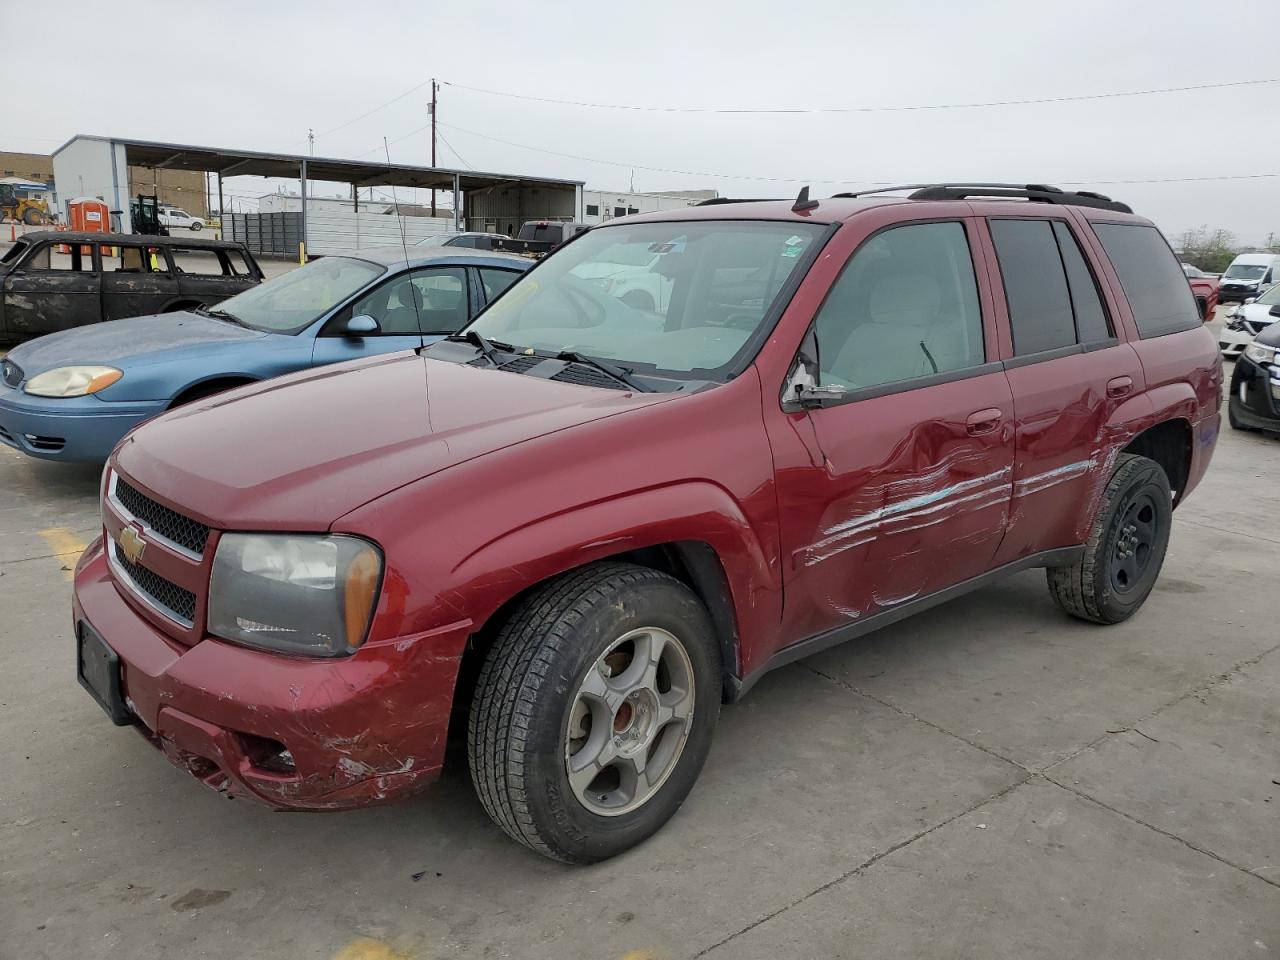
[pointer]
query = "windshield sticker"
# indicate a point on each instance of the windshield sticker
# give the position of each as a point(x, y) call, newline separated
point(794, 241)
point(671, 246)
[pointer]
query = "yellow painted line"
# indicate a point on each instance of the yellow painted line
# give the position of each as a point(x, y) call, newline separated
point(367, 948)
point(64, 543)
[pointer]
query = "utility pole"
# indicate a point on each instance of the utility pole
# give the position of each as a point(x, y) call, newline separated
point(432, 110)
point(311, 141)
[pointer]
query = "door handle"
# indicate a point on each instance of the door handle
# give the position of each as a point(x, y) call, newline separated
point(1119, 387)
point(984, 421)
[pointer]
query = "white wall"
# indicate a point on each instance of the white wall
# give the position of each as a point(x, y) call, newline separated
point(331, 231)
point(605, 202)
point(84, 168)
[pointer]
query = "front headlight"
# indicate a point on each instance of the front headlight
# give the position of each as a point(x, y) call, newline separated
point(1259, 353)
point(294, 593)
point(72, 381)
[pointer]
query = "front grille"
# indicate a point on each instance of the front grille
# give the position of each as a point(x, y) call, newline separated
point(185, 532)
point(588, 377)
point(12, 373)
point(178, 603)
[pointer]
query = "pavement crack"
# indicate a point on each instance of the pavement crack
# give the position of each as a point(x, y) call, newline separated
point(865, 864)
point(1164, 833)
point(913, 716)
point(1196, 692)
point(1227, 530)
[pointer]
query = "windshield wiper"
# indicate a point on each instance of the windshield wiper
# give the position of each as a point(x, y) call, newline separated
point(222, 315)
point(483, 344)
point(618, 373)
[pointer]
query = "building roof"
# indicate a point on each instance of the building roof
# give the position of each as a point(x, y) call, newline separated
point(230, 162)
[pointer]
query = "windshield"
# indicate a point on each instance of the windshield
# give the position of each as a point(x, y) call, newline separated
point(1191, 271)
point(438, 240)
point(293, 301)
point(681, 299)
point(1245, 271)
point(1271, 297)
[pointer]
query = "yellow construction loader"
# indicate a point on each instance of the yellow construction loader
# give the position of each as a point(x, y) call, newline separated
point(25, 208)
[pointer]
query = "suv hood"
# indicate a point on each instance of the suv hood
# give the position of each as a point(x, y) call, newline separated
point(120, 340)
point(298, 452)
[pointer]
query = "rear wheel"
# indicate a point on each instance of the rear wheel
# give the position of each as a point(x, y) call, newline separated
point(1125, 549)
point(197, 225)
point(594, 711)
point(32, 217)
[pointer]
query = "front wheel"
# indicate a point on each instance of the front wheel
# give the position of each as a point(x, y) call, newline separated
point(197, 225)
point(594, 711)
point(1125, 549)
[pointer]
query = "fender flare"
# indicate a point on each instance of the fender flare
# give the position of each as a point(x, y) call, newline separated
point(683, 515)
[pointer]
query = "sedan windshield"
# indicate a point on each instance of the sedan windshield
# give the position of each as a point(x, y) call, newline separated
point(682, 299)
point(292, 302)
point(1244, 271)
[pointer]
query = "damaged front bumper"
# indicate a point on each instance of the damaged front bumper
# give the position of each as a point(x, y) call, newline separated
point(293, 733)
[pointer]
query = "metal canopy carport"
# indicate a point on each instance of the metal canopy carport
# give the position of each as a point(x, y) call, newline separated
point(228, 163)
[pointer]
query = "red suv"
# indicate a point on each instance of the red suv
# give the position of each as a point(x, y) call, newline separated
point(573, 531)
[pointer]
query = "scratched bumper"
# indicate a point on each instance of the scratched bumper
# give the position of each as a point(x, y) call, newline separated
point(362, 730)
point(71, 429)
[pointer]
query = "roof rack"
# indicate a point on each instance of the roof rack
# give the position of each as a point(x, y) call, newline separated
point(715, 201)
point(1039, 192)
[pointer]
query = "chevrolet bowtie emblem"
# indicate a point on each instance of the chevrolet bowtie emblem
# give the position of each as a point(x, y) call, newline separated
point(131, 544)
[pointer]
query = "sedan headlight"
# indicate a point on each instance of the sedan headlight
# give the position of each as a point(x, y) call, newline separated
point(294, 593)
point(72, 381)
point(1259, 353)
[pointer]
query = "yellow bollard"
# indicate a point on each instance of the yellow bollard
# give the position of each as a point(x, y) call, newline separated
point(302, 252)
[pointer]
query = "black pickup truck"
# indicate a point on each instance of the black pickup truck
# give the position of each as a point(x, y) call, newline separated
point(54, 280)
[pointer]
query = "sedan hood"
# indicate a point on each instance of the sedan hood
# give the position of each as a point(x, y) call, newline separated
point(135, 339)
point(298, 452)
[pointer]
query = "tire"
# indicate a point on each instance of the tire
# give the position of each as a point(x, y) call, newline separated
point(32, 217)
point(1125, 549)
point(532, 716)
point(197, 226)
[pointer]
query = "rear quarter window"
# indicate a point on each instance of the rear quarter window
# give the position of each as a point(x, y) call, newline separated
point(1154, 284)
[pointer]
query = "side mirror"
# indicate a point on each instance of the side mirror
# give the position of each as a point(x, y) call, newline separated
point(361, 325)
point(1274, 311)
point(1250, 299)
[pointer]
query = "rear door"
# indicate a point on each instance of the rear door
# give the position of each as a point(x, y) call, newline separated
point(50, 290)
point(136, 280)
point(907, 488)
point(1068, 371)
point(431, 302)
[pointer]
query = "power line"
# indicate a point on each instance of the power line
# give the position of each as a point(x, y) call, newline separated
point(846, 180)
point(454, 151)
point(872, 109)
point(369, 113)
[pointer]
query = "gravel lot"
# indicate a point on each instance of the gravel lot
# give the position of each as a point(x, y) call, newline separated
point(987, 780)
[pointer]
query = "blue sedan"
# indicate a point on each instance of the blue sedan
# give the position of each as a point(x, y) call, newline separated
point(72, 395)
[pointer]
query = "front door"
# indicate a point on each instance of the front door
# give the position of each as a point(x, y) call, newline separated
point(906, 490)
point(50, 291)
point(136, 280)
point(428, 302)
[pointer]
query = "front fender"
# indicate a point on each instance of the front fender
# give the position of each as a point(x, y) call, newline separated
point(696, 511)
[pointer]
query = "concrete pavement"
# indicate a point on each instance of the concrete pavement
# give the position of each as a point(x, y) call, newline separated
point(987, 780)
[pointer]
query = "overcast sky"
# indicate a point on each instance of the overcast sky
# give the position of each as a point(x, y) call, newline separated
point(257, 75)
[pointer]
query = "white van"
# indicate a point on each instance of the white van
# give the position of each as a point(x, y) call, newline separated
point(1250, 275)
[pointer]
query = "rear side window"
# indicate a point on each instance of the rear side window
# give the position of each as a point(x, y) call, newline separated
point(1035, 286)
point(1052, 297)
point(1153, 282)
point(495, 281)
point(1091, 317)
point(202, 263)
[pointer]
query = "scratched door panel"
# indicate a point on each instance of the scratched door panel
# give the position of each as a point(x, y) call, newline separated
point(1065, 448)
point(890, 498)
